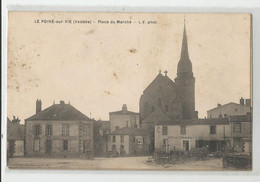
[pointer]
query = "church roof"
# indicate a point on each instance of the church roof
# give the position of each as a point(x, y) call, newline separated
point(208, 121)
point(155, 115)
point(159, 80)
point(131, 131)
point(61, 112)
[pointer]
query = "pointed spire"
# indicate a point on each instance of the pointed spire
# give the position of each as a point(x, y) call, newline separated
point(184, 65)
point(184, 48)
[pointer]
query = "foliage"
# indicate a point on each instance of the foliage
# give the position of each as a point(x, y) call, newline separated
point(162, 157)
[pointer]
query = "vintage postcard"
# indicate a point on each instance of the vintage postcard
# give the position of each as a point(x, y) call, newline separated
point(131, 91)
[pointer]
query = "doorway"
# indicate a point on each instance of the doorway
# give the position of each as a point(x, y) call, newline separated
point(186, 145)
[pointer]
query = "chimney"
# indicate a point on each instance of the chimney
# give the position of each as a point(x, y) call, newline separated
point(219, 104)
point(62, 102)
point(242, 101)
point(124, 108)
point(248, 102)
point(38, 106)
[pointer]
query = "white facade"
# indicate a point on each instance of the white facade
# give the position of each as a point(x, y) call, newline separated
point(175, 140)
point(123, 118)
point(229, 109)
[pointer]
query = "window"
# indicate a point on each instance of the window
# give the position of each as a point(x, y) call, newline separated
point(122, 138)
point(65, 130)
point(183, 130)
point(36, 145)
point(114, 138)
point(164, 130)
point(165, 142)
point(65, 144)
point(37, 129)
point(212, 129)
point(237, 127)
point(48, 146)
point(86, 129)
point(48, 130)
point(186, 146)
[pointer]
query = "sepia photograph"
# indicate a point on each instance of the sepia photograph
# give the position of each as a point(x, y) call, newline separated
point(129, 91)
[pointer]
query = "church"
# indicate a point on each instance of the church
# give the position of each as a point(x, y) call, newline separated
point(165, 99)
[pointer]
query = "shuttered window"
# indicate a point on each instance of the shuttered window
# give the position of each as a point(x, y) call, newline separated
point(49, 130)
point(183, 130)
point(65, 130)
point(37, 129)
point(164, 130)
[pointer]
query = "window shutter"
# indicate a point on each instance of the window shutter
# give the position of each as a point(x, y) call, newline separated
point(34, 129)
point(40, 129)
point(51, 129)
point(46, 130)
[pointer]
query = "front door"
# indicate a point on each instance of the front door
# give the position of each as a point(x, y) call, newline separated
point(186, 146)
point(48, 146)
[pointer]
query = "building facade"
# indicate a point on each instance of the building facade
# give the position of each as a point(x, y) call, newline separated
point(194, 133)
point(230, 109)
point(130, 141)
point(167, 98)
point(123, 118)
point(241, 133)
point(59, 130)
point(15, 139)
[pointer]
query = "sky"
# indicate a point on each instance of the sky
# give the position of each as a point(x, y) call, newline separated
point(99, 67)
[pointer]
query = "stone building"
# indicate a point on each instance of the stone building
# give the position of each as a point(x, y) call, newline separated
point(230, 109)
point(241, 133)
point(167, 99)
point(130, 141)
point(101, 134)
point(123, 118)
point(59, 130)
point(15, 139)
point(194, 133)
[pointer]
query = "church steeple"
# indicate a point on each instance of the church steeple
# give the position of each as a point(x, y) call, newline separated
point(184, 65)
point(185, 81)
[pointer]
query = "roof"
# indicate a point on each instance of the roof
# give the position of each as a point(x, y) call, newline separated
point(59, 112)
point(240, 118)
point(123, 112)
point(131, 131)
point(209, 121)
point(224, 105)
point(159, 79)
point(155, 115)
point(15, 131)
